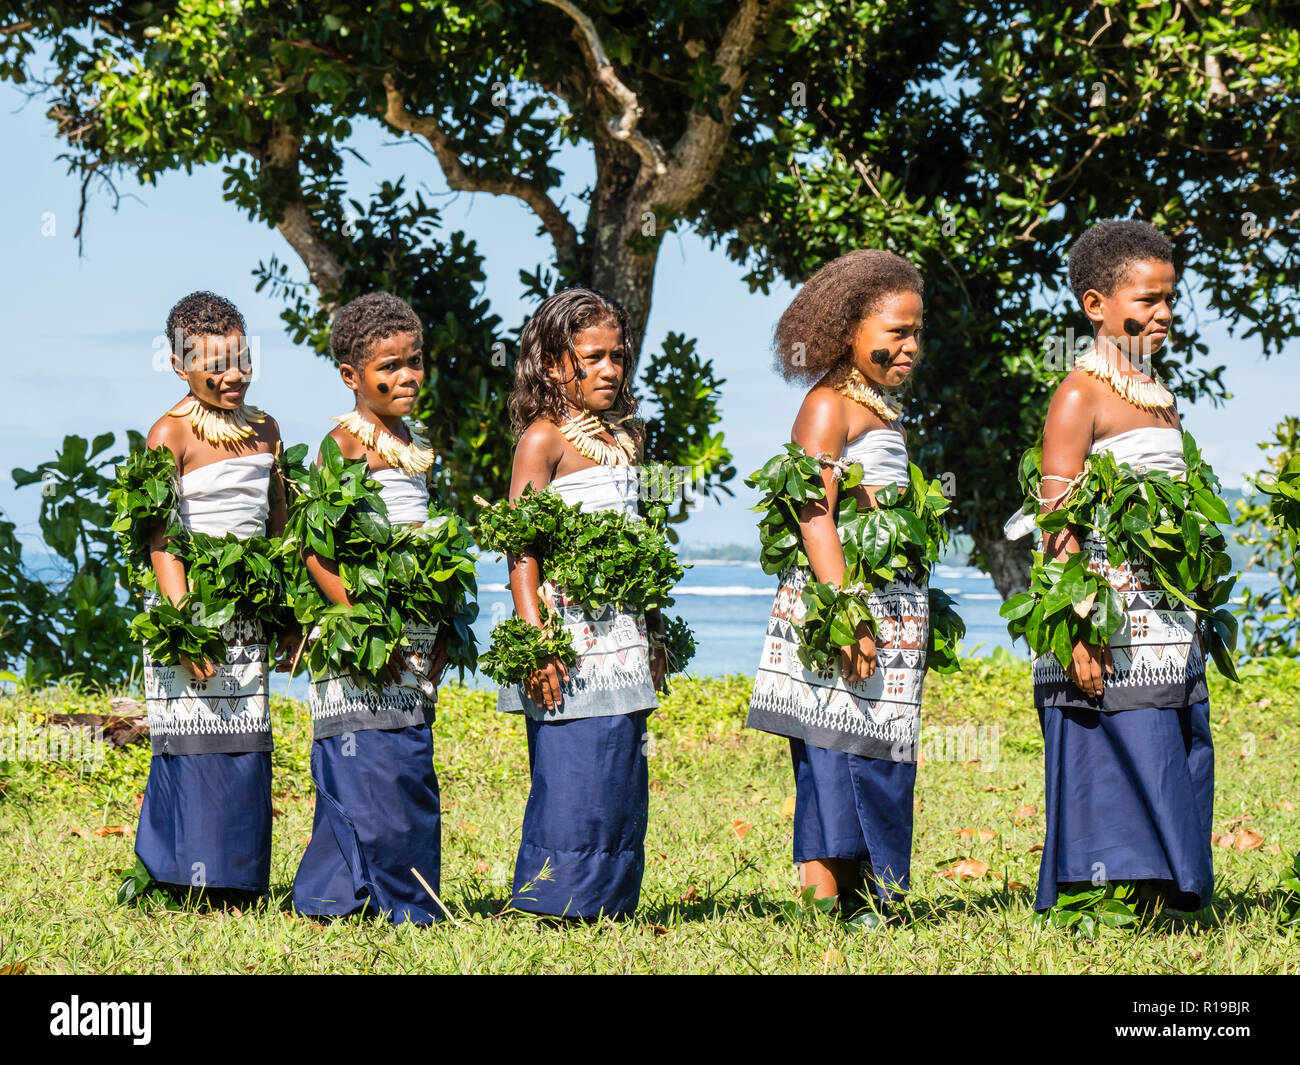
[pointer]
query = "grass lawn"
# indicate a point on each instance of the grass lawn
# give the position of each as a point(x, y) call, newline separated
point(718, 871)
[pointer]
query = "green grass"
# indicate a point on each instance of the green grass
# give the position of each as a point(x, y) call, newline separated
point(712, 900)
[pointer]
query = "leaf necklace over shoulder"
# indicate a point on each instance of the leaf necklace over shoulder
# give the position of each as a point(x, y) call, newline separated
point(214, 425)
point(414, 457)
point(1148, 395)
point(581, 431)
point(851, 383)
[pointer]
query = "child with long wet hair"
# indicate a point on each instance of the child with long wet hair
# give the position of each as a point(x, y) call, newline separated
point(572, 408)
point(853, 334)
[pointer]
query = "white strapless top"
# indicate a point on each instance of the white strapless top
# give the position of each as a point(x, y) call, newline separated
point(883, 455)
point(406, 495)
point(600, 488)
point(227, 496)
point(1149, 449)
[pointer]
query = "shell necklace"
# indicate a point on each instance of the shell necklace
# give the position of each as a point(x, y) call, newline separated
point(413, 458)
point(1149, 395)
point(215, 425)
point(860, 390)
point(581, 430)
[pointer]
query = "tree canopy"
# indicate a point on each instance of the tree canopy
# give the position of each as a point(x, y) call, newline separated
point(977, 139)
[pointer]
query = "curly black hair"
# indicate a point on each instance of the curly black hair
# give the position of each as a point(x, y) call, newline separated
point(356, 326)
point(1101, 258)
point(815, 334)
point(548, 338)
point(200, 314)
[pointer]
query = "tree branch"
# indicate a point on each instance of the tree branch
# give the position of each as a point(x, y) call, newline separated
point(622, 127)
point(699, 150)
point(295, 223)
point(470, 179)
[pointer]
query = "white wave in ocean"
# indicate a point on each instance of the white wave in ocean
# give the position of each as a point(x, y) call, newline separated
point(972, 595)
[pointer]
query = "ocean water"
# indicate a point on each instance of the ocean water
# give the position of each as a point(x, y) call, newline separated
point(727, 605)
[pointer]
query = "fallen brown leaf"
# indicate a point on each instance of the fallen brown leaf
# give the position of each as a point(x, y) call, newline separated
point(658, 930)
point(316, 926)
point(1273, 848)
point(111, 830)
point(1223, 840)
point(992, 787)
point(471, 829)
point(481, 867)
point(1024, 813)
point(15, 969)
point(787, 806)
point(82, 832)
point(138, 799)
point(832, 957)
point(691, 894)
point(971, 832)
point(741, 828)
point(1239, 819)
point(1248, 840)
point(1035, 847)
point(966, 869)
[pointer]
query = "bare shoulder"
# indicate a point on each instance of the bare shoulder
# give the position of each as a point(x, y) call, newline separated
point(168, 432)
point(821, 423)
point(1074, 395)
point(349, 446)
point(541, 441)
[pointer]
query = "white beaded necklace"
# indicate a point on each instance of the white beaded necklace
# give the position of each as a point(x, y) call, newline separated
point(581, 431)
point(1148, 395)
point(860, 390)
point(214, 425)
point(409, 458)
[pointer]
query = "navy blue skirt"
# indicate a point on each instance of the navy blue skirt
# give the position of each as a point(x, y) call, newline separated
point(585, 821)
point(206, 820)
point(1130, 796)
point(848, 806)
point(377, 817)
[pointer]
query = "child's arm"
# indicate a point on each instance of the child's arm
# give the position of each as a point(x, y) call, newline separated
point(169, 569)
point(536, 457)
point(278, 516)
point(821, 429)
point(1067, 439)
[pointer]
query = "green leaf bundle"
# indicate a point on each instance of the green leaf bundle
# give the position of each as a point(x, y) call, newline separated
point(519, 647)
point(599, 558)
point(392, 574)
point(1169, 523)
point(226, 576)
point(904, 533)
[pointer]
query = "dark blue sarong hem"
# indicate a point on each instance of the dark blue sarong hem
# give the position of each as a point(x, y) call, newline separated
point(850, 807)
point(377, 818)
point(585, 821)
point(205, 821)
point(1129, 796)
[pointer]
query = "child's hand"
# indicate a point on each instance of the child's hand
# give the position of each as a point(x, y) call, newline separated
point(201, 670)
point(437, 661)
point(543, 685)
point(1087, 667)
point(286, 649)
point(658, 666)
point(858, 661)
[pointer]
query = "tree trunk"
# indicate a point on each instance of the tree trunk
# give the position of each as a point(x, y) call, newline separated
point(1006, 561)
point(618, 208)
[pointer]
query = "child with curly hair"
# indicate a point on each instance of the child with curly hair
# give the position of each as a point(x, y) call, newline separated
point(572, 408)
point(853, 332)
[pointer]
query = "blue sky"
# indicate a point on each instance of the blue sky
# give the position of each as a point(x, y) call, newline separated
point(80, 331)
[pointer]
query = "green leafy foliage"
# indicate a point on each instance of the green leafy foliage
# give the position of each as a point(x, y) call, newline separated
point(1169, 523)
point(904, 533)
point(1270, 526)
point(70, 619)
point(1289, 886)
point(1109, 905)
point(679, 644)
point(519, 647)
point(392, 574)
point(226, 576)
point(599, 557)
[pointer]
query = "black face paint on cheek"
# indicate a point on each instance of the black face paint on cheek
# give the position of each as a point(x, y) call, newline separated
point(212, 385)
point(880, 356)
point(382, 388)
point(580, 374)
point(1132, 327)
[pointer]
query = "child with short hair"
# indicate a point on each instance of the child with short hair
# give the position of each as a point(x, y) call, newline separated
point(582, 852)
point(205, 821)
point(1128, 754)
point(376, 837)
